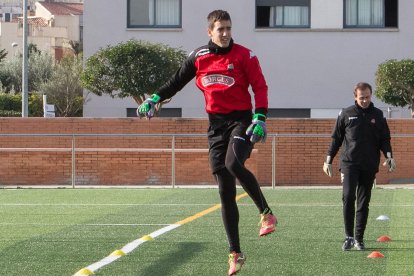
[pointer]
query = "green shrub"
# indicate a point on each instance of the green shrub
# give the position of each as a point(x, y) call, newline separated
point(11, 105)
point(10, 113)
point(35, 105)
point(10, 102)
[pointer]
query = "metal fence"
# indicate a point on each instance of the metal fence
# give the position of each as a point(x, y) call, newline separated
point(172, 149)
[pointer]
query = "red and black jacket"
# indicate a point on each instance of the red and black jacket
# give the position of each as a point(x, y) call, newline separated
point(224, 75)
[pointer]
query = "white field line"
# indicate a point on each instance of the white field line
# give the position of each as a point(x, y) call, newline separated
point(75, 224)
point(105, 204)
point(126, 249)
point(195, 204)
point(325, 205)
point(134, 244)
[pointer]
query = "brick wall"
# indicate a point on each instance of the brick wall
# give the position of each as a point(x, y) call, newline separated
point(128, 159)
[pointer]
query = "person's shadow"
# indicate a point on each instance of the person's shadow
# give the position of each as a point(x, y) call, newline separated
point(169, 263)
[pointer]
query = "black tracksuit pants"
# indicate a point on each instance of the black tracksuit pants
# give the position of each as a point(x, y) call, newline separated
point(357, 186)
point(229, 148)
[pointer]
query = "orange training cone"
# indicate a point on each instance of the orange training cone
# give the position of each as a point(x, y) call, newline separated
point(384, 238)
point(376, 254)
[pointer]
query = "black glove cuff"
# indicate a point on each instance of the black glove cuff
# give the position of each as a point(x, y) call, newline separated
point(262, 111)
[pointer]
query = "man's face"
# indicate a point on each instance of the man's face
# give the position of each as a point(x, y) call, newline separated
point(221, 33)
point(363, 97)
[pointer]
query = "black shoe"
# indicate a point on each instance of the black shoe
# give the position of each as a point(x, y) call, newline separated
point(348, 243)
point(359, 245)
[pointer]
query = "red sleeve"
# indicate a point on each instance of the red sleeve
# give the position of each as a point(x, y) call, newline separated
point(257, 81)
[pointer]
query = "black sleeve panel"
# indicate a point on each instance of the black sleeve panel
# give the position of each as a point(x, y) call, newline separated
point(338, 136)
point(385, 138)
point(181, 77)
point(261, 111)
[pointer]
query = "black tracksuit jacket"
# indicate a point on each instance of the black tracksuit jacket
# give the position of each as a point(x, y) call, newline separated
point(363, 133)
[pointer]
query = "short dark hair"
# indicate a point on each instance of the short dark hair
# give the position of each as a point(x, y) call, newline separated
point(217, 15)
point(362, 86)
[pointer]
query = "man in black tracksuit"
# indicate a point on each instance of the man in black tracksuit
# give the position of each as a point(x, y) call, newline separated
point(363, 131)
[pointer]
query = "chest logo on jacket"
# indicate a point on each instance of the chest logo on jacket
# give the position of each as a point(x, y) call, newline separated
point(217, 79)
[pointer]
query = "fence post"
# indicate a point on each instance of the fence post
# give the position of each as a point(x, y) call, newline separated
point(274, 162)
point(173, 161)
point(73, 162)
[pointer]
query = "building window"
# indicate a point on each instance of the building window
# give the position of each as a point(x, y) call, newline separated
point(7, 17)
point(282, 13)
point(371, 13)
point(154, 14)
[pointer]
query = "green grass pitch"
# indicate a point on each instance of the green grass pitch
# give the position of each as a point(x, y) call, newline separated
point(60, 231)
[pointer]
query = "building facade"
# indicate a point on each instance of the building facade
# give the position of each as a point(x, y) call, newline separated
point(312, 52)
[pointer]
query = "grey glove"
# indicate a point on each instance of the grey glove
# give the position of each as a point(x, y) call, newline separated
point(327, 166)
point(390, 162)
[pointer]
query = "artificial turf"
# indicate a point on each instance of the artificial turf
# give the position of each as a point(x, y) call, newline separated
point(60, 231)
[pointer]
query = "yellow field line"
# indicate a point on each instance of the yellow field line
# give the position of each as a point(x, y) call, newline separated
point(91, 269)
point(207, 211)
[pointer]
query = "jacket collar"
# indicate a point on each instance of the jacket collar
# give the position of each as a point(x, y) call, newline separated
point(368, 109)
point(214, 48)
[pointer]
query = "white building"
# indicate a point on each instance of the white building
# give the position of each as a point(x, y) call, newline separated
point(312, 52)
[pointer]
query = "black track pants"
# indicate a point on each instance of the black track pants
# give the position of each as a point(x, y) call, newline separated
point(237, 154)
point(357, 186)
point(229, 148)
point(229, 210)
point(226, 179)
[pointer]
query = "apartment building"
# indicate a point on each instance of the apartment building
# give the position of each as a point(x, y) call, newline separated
point(52, 25)
point(11, 9)
point(312, 52)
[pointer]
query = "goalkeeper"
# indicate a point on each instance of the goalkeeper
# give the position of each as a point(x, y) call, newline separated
point(223, 71)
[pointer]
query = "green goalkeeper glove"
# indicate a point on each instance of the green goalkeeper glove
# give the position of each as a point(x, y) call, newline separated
point(147, 108)
point(257, 130)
